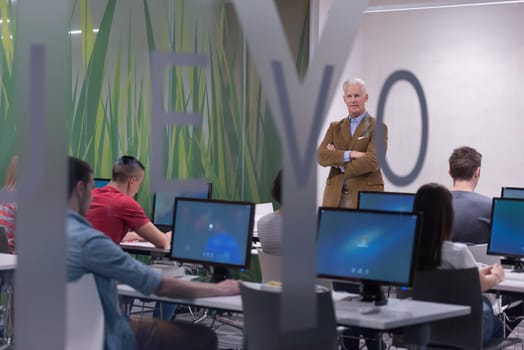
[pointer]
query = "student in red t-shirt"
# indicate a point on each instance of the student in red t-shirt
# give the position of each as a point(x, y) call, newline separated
point(115, 212)
point(8, 209)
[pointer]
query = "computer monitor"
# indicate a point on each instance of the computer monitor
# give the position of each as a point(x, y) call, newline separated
point(372, 247)
point(101, 182)
point(512, 192)
point(393, 201)
point(164, 202)
point(507, 229)
point(212, 232)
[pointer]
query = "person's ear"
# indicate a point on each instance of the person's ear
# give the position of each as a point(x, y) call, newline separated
point(130, 183)
point(80, 189)
point(477, 173)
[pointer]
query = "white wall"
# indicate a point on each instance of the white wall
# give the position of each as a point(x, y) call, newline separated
point(354, 67)
point(469, 61)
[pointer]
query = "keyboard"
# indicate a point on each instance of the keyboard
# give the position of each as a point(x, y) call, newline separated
point(514, 276)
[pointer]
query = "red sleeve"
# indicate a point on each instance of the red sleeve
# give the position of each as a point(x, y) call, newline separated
point(133, 214)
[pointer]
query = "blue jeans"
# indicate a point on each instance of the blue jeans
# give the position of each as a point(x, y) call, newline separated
point(168, 310)
point(492, 326)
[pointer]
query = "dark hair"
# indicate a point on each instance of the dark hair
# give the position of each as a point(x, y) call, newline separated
point(125, 168)
point(275, 188)
point(78, 170)
point(463, 162)
point(10, 176)
point(434, 201)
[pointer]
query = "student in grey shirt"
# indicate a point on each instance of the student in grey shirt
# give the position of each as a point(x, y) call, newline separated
point(90, 251)
point(472, 210)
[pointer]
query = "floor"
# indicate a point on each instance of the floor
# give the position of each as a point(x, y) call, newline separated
point(231, 337)
point(229, 332)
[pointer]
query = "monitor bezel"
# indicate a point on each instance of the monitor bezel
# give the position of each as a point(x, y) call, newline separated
point(504, 188)
point(414, 252)
point(383, 193)
point(488, 250)
point(101, 179)
point(247, 258)
point(169, 227)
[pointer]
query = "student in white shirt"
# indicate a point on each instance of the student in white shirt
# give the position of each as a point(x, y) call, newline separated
point(270, 225)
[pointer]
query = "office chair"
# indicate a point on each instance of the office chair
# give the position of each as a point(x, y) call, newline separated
point(479, 252)
point(262, 322)
point(461, 287)
point(269, 266)
point(84, 315)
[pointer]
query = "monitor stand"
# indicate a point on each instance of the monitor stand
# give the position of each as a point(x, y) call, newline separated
point(372, 292)
point(219, 274)
point(518, 265)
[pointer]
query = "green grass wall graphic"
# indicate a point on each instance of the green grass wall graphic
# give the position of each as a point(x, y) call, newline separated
point(7, 118)
point(236, 146)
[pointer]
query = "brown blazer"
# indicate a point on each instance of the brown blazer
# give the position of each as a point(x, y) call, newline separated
point(362, 174)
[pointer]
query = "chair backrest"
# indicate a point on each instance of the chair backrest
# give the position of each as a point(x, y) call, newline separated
point(461, 287)
point(479, 252)
point(84, 315)
point(262, 322)
point(4, 243)
point(269, 266)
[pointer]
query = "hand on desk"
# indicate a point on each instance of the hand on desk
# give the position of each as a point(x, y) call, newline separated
point(132, 237)
point(228, 287)
point(150, 233)
point(495, 270)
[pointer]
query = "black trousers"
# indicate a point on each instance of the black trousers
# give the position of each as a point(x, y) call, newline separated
point(154, 334)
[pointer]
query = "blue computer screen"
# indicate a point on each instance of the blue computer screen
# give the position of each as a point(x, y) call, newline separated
point(163, 203)
point(507, 227)
point(512, 192)
point(99, 182)
point(212, 232)
point(391, 201)
point(366, 245)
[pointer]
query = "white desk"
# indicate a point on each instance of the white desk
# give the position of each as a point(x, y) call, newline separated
point(7, 266)
point(229, 303)
point(511, 285)
point(395, 314)
point(145, 248)
point(7, 262)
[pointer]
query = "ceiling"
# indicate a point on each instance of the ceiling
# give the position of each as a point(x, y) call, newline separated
point(377, 5)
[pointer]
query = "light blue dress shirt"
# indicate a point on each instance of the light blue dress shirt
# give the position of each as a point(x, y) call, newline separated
point(353, 125)
point(90, 251)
